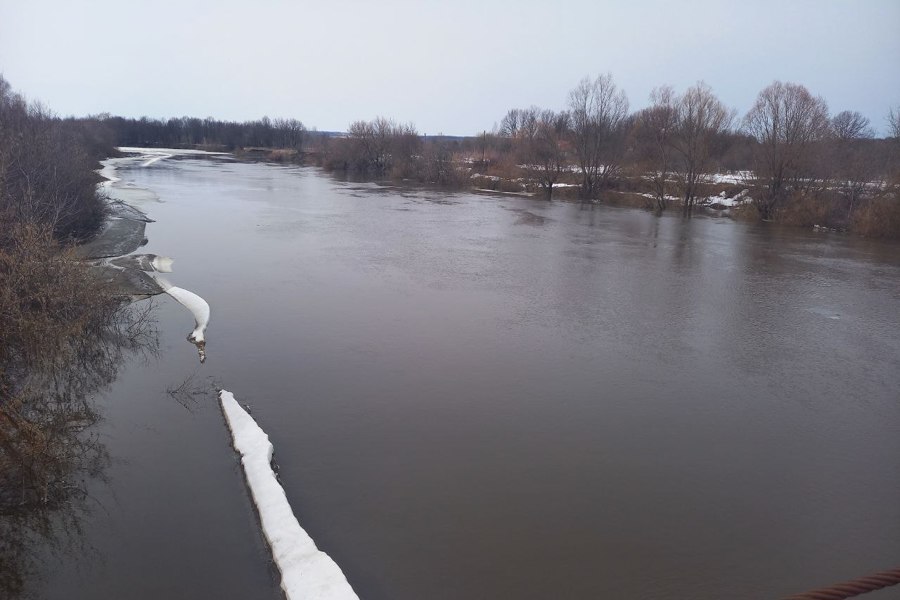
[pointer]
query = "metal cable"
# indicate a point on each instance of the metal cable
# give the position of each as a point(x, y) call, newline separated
point(849, 589)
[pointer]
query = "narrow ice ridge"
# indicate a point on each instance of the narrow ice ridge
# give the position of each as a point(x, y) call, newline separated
point(306, 572)
point(155, 158)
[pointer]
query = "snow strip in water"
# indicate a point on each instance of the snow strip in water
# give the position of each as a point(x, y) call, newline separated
point(194, 303)
point(306, 571)
point(198, 307)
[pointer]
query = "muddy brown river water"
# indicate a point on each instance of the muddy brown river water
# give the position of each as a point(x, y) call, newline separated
point(490, 397)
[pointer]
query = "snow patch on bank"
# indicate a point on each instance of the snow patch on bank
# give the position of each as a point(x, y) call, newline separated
point(733, 177)
point(306, 571)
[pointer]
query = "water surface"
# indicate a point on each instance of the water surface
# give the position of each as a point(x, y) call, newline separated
point(474, 396)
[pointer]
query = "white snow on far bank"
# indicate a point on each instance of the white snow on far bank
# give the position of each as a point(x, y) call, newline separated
point(306, 572)
point(732, 177)
point(172, 151)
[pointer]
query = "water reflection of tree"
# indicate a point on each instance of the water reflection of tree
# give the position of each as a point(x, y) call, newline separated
point(48, 449)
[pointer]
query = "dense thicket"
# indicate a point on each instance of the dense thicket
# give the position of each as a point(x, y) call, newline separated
point(47, 168)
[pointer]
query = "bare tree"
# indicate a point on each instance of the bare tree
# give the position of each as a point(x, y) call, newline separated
point(851, 125)
point(786, 121)
point(437, 163)
point(46, 172)
point(700, 117)
point(546, 150)
point(851, 161)
point(538, 144)
point(509, 125)
point(371, 145)
point(291, 133)
point(660, 123)
point(380, 146)
point(652, 150)
point(893, 120)
point(598, 112)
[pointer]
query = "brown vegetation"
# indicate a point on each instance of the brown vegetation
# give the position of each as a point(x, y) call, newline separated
point(46, 171)
point(62, 336)
point(61, 339)
point(786, 121)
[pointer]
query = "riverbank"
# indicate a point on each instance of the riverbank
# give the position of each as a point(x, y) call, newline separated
point(730, 195)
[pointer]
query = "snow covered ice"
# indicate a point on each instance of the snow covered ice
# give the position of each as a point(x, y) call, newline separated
point(306, 572)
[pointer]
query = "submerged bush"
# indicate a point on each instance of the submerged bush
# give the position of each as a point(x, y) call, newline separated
point(61, 337)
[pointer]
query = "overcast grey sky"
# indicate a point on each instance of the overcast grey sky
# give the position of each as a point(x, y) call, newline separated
point(452, 67)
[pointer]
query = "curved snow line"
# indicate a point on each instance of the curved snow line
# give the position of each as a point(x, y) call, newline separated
point(306, 571)
point(194, 303)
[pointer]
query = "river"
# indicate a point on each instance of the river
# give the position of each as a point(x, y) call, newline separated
point(473, 396)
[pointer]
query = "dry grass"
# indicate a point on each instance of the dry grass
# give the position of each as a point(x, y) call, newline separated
point(61, 337)
point(806, 210)
point(878, 218)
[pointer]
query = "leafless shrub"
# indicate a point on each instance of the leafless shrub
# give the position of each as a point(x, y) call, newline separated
point(46, 174)
point(786, 122)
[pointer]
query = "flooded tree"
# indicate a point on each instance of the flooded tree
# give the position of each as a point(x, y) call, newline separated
point(653, 128)
point(700, 119)
point(438, 166)
point(852, 162)
point(548, 150)
point(376, 147)
point(539, 143)
point(598, 111)
point(786, 121)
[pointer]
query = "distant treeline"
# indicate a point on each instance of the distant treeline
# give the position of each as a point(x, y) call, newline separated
point(799, 163)
point(190, 132)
